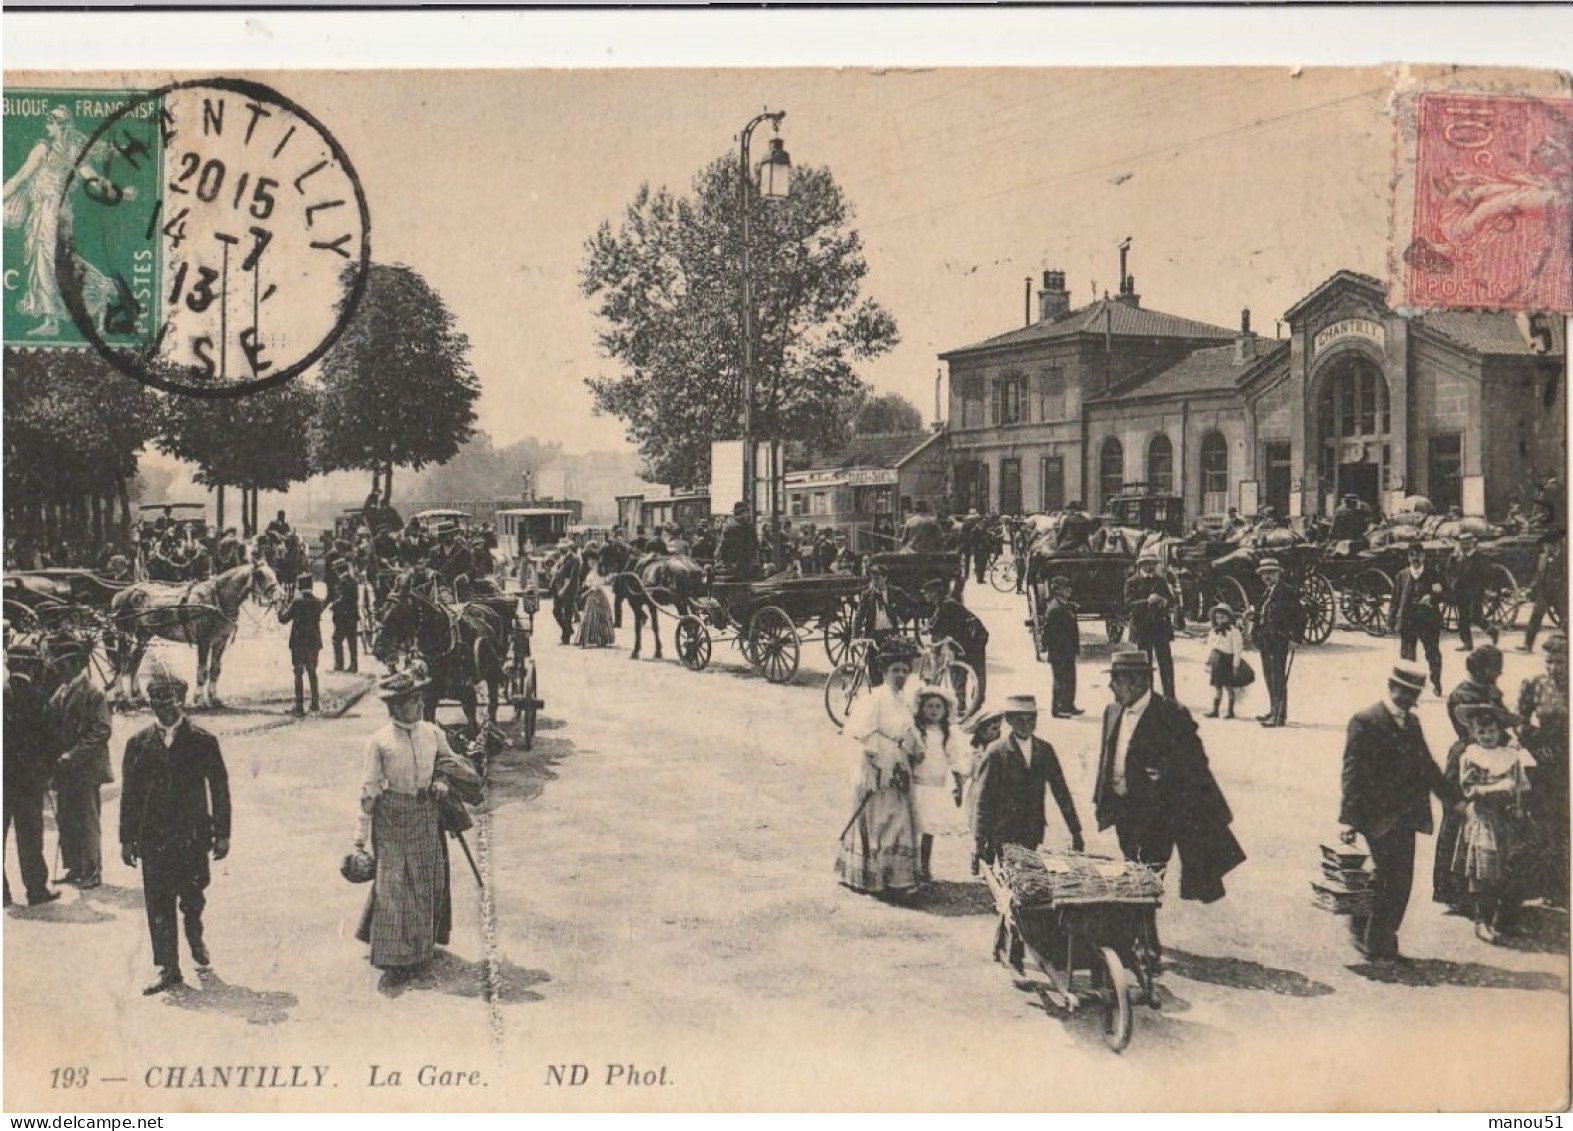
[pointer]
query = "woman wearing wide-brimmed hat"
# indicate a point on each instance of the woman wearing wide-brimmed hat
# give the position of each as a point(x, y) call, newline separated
point(879, 845)
point(411, 774)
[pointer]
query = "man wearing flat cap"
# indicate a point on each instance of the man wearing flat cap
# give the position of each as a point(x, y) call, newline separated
point(174, 811)
point(1388, 778)
point(303, 614)
point(1060, 644)
point(1154, 785)
point(79, 721)
point(1471, 573)
point(1150, 603)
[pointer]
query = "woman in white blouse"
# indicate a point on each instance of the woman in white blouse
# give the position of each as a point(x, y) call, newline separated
point(411, 774)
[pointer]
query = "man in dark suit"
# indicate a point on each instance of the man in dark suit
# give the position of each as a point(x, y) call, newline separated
point(566, 580)
point(1007, 790)
point(1416, 614)
point(1075, 530)
point(1154, 785)
point(875, 617)
point(304, 616)
point(1149, 603)
point(346, 616)
point(79, 724)
point(1472, 575)
point(27, 764)
point(1061, 644)
point(1277, 620)
point(173, 812)
point(1388, 778)
point(954, 620)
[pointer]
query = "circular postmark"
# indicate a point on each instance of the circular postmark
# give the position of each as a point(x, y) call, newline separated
point(256, 240)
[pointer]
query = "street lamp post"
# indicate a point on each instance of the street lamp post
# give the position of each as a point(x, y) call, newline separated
point(774, 182)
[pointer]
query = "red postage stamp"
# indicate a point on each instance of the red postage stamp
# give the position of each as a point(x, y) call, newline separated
point(1488, 223)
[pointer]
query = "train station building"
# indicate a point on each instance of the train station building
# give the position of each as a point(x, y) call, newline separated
point(1356, 398)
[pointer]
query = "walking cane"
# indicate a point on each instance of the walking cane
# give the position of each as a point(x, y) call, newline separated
point(464, 844)
point(856, 813)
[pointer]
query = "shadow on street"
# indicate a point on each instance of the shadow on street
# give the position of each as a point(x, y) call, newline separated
point(1242, 974)
point(212, 994)
point(1443, 972)
point(447, 973)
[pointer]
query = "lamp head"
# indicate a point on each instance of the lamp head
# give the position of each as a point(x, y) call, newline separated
point(775, 171)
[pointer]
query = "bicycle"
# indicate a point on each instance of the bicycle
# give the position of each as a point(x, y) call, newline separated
point(938, 665)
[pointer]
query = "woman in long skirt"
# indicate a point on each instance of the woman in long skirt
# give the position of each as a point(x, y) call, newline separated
point(410, 773)
point(595, 627)
point(879, 845)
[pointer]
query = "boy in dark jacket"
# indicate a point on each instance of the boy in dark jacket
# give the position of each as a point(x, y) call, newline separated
point(1061, 644)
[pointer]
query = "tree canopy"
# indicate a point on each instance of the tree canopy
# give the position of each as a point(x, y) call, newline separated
point(73, 425)
point(669, 285)
point(887, 412)
point(398, 389)
point(261, 441)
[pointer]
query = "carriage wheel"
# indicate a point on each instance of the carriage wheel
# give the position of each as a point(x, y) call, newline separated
point(1375, 594)
point(530, 689)
point(1002, 574)
point(839, 632)
point(1500, 606)
point(775, 644)
point(1320, 607)
point(962, 680)
point(1117, 1005)
point(693, 643)
point(841, 689)
point(1114, 626)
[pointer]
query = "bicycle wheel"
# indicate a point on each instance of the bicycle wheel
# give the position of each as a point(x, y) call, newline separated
point(841, 688)
point(1002, 574)
point(962, 681)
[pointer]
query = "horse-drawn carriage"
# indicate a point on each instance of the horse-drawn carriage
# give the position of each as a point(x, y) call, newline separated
point(484, 639)
point(1098, 570)
point(1231, 579)
point(48, 600)
point(771, 620)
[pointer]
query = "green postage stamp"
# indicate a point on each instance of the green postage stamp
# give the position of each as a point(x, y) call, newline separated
point(61, 191)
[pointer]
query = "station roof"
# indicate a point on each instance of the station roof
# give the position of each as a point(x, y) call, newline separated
point(1108, 315)
point(1210, 370)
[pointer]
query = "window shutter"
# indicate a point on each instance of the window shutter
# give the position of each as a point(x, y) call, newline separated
point(994, 401)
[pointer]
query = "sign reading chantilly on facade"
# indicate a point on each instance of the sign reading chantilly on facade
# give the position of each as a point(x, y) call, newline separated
point(1366, 328)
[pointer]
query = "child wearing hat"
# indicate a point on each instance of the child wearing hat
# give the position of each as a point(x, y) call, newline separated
point(937, 770)
point(1493, 771)
point(1224, 647)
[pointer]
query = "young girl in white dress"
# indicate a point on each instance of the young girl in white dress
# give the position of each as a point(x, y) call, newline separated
point(1490, 856)
point(938, 774)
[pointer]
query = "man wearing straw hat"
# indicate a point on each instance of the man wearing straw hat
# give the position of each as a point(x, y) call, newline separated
point(174, 811)
point(79, 717)
point(1154, 785)
point(1149, 602)
point(1388, 778)
point(1277, 619)
point(1007, 792)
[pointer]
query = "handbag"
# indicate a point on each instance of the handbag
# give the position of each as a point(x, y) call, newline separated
point(1244, 673)
point(359, 867)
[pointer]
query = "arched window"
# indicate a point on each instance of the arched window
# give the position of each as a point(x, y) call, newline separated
point(1111, 470)
point(1355, 419)
point(1215, 473)
point(1160, 465)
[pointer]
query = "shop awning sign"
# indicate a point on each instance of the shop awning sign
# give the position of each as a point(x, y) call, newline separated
point(871, 476)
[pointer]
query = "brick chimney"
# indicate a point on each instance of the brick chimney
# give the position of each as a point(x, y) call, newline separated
point(1053, 299)
point(1245, 341)
point(1128, 293)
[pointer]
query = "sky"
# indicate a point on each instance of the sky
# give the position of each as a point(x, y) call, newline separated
point(1238, 188)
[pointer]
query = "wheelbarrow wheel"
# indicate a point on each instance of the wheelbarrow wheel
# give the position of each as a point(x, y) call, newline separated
point(1117, 1005)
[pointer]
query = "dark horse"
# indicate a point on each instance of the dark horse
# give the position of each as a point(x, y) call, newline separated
point(648, 581)
point(461, 645)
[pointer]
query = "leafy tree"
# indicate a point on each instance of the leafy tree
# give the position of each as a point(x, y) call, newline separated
point(258, 442)
point(668, 281)
point(887, 412)
point(73, 429)
point(398, 389)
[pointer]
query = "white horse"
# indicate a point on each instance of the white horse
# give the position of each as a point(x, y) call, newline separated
point(201, 613)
